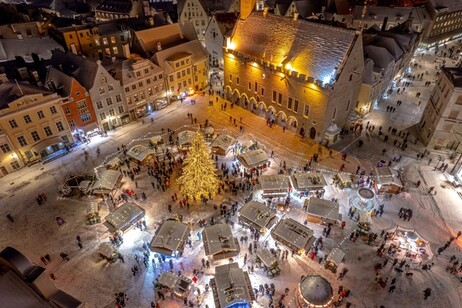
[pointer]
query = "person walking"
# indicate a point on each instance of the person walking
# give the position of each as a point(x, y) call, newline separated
point(427, 293)
point(64, 256)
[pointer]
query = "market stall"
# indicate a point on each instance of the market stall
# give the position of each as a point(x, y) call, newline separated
point(294, 235)
point(405, 243)
point(124, 217)
point(114, 163)
point(219, 242)
point(308, 184)
point(184, 139)
point(108, 252)
point(209, 133)
point(322, 211)
point(222, 145)
point(343, 180)
point(140, 154)
point(333, 260)
point(387, 181)
point(276, 185)
point(156, 141)
point(257, 215)
point(268, 261)
point(107, 182)
point(254, 159)
point(314, 291)
point(179, 285)
point(170, 238)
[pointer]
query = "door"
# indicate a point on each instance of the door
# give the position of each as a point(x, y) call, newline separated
point(4, 171)
point(312, 133)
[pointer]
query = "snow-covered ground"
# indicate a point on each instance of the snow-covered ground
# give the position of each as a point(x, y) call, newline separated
point(436, 217)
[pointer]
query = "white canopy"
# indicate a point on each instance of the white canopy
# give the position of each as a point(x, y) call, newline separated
point(170, 237)
point(222, 142)
point(139, 152)
point(336, 256)
point(107, 181)
point(308, 181)
point(185, 137)
point(274, 182)
point(252, 159)
point(387, 176)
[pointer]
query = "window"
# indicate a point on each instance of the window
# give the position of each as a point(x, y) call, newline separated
point(53, 110)
point(99, 105)
point(182, 62)
point(85, 117)
point(146, 71)
point(138, 74)
point(289, 103)
point(110, 87)
point(103, 79)
point(47, 131)
point(22, 141)
point(40, 114)
point(148, 81)
point(453, 114)
point(113, 40)
point(256, 87)
point(5, 148)
point(27, 119)
point(183, 73)
point(171, 78)
point(296, 106)
point(13, 123)
point(102, 90)
point(71, 123)
point(250, 86)
point(121, 109)
point(97, 42)
point(142, 95)
point(334, 113)
point(15, 165)
point(82, 105)
point(306, 111)
point(67, 111)
point(177, 64)
point(178, 75)
point(274, 96)
point(280, 99)
point(160, 77)
point(189, 80)
point(127, 89)
point(35, 136)
point(102, 116)
point(105, 41)
point(111, 112)
point(133, 86)
point(118, 98)
point(237, 80)
point(262, 91)
point(184, 83)
point(140, 84)
point(60, 126)
point(149, 91)
point(109, 101)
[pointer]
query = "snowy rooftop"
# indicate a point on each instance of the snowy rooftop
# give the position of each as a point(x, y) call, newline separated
point(219, 239)
point(124, 216)
point(323, 208)
point(336, 256)
point(258, 214)
point(312, 49)
point(170, 237)
point(293, 234)
point(223, 142)
point(253, 158)
point(107, 181)
point(231, 285)
point(386, 176)
point(179, 284)
point(139, 152)
point(302, 181)
point(274, 182)
point(316, 290)
point(185, 137)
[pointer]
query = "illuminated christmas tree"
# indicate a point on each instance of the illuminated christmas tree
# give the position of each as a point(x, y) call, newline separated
point(199, 177)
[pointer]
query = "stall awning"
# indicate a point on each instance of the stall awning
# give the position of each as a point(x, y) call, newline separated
point(336, 256)
point(41, 145)
point(124, 216)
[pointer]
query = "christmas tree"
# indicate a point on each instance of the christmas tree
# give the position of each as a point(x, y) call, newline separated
point(199, 177)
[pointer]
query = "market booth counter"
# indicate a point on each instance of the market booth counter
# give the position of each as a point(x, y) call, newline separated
point(322, 211)
point(254, 159)
point(267, 260)
point(306, 184)
point(257, 215)
point(314, 291)
point(219, 242)
point(222, 144)
point(333, 260)
point(170, 238)
point(124, 217)
point(293, 235)
point(276, 185)
point(179, 285)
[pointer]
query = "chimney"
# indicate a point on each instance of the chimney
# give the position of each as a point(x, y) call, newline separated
point(384, 25)
point(295, 16)
point(126, 51)
point(159, 46)
point(265, 11)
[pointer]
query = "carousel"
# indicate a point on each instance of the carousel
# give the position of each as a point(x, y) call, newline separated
point(314, 291)
point(404, 243)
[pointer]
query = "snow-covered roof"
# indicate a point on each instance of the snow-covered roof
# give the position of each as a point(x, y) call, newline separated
point(11, 91)
point(336, 256)
point(258, 214)
point(42, 46)
point(307, 181)
point(123, 69)
point(60, 80)
point(170, 237)
point(107, 181)
point(380, 55)
point(344, 177)
point(274, 182)
point(219, 239)
point(313, 49)
point(124, 216)
point(179, 284)
point(193, 48)
point(185, 137)
point(231, 285)
point(386, 176)
point(316, 290)
point(139, 152)
point(293, 234)
point(253, 158)
point(323, 208)
point(266, 257)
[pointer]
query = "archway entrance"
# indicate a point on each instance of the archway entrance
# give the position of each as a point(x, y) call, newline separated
point(292, 124)
point(312, 133)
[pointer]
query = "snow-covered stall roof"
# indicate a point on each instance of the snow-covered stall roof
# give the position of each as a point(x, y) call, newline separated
point(124, 216)
point(308, 181)
point(316, 290)
point(253, 158)
point(386, 176)
point(231, 285)
point(323, 208)
point(266, 257)
point(293, 234)
point(179, 284)
point(139, 152)
point(107, 181)
point(344, 177)
point(309, 48)
point(185, 137)
point(170, 237)
point(274, 182)
point(258, 215)
point(219, 241)
point(222, 142)
point(336, 256)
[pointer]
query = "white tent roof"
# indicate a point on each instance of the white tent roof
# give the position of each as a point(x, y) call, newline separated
point(232, 286)
point(169, 236)
point(323, 208)
point(257, 213)
point(293, 233)
point(124, 216)
point(185, 137)
point(387, 176)
point(253, 158)
point(275, 181)
point(139, 152)
point(307, 181)
point(107, 181)
point(218, 238)
point(222, 142)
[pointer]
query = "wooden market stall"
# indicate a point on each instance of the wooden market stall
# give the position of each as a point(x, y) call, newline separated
point(219, 242)
point(322, 211)
point(293, 235)
point(254, 159)
point(222, 144)
point(140, 154)
point(387, 181)
point(306, 183)
point(184, 139)
point(257, 215)
point(107, 182)
point(170, 238)
point(343, 180)
point(179, 285)
point(276, 185)
point(124, 217)
point(266, 259)
point(333, 260)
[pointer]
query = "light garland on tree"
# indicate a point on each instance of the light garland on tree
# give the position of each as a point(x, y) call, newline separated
point(199, 178)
